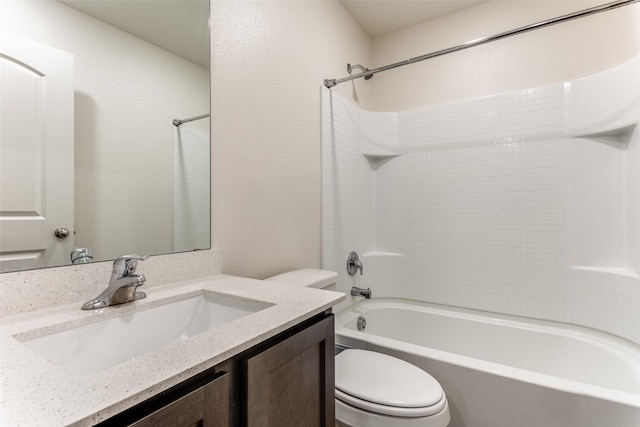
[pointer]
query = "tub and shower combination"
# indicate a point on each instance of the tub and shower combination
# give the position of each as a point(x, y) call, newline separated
point(505, 371)
point(503, 195)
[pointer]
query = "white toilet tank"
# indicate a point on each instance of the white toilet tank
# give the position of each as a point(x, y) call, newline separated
point(308, 277)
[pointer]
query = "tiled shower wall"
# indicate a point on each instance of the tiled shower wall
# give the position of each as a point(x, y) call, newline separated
point(524, 203)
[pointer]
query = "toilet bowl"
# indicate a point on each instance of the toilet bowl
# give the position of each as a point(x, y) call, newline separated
point(375, 389)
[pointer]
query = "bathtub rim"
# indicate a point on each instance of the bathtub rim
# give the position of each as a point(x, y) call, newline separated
point(346, 337)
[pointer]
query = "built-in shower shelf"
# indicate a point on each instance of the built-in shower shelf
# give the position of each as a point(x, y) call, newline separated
point(382, 254)
point(377, 160)
point(618, 136)
point(607, 270)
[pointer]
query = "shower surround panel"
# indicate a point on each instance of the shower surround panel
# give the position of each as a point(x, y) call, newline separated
point(522, 203)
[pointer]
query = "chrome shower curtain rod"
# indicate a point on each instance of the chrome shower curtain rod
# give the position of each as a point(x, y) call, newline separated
point(178, 122)
point(582, 13)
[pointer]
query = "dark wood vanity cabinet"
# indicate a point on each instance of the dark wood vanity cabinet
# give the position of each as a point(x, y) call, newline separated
point(285, 381)
point(291, 383)
point(205, 400)
point(205, 406)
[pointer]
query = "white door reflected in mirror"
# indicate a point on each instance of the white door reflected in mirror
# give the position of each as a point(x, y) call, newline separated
point(36, 165)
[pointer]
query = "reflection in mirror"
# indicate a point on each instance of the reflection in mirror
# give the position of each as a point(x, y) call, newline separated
point(90, 90)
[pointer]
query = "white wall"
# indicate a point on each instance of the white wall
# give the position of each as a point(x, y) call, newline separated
point(553, 54)
point(269, 61)
point(123, 130)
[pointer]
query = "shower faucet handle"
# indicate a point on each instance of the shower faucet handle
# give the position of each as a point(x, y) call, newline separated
point(354, 264)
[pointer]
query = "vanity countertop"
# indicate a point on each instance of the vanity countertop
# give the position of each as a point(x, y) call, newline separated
point(35, 392)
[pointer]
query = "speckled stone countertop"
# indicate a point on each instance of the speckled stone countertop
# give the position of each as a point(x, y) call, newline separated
point(35, 392)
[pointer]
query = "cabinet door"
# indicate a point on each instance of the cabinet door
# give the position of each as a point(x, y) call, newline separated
point(207, 406)
point(291, 384)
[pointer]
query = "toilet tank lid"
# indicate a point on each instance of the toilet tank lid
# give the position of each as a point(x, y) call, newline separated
point(308, 277)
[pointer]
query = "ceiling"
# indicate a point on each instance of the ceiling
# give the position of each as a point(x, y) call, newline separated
point(181, 26)
point(380, 17)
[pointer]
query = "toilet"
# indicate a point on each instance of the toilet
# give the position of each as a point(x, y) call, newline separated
point(375, 389)
point(309, 278)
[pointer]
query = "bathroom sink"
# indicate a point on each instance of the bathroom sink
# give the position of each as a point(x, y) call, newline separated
point(86, 349)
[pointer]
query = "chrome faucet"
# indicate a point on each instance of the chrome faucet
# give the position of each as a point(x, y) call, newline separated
point(122, 285)
point(353, 264)
point(361, 292)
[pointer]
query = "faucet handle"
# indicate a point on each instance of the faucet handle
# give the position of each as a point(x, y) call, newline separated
point(126, 264)
point(353, 264)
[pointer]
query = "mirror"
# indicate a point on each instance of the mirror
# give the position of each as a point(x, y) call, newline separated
point(132, 182)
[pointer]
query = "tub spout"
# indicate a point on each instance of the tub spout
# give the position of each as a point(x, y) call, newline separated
point(361, 292)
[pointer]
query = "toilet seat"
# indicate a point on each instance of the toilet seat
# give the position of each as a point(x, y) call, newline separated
point(383, 384)
point(393, 411)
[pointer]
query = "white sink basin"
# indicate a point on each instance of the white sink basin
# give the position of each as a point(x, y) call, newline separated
point(86, 349)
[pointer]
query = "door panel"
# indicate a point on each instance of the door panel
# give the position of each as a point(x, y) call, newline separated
point(292, 383)
point(207, 406)
point(36, 153)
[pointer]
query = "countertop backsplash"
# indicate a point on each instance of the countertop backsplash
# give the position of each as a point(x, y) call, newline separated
point(30, 290)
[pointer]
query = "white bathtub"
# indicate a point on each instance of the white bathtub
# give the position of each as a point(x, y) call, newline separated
point(505, 371)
